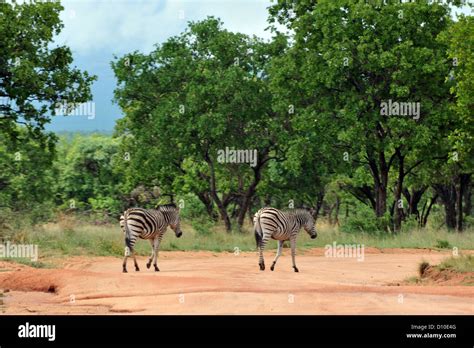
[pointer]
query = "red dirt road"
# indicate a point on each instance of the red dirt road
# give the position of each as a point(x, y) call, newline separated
point(224, 283)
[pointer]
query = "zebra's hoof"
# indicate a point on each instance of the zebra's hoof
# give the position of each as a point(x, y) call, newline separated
point(124, 271)
point(272, 268)
point(262, 267)
point(137, 269)
point(296, 269)
point(157, 269)
point(148, 265)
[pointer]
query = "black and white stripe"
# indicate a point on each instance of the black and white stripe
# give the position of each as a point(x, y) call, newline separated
point(281, 226)
point(148, 224)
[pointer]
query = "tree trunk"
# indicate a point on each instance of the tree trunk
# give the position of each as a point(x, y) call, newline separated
point(399, 214)
point(248, 196)
point(364, 194)
point(207, 201)
point(336, 217)
point(319, 204)
point(249, 212)
point(331, 208)
point(414, 198)
point(244, 207)
point(426, 213)
point(450, 210)
point(459, 211)
point(220, 206)
point(463, 181)
point(381, 200)
point(447, 193)
point(225, 218)
point(380, 176)
point(467, 197)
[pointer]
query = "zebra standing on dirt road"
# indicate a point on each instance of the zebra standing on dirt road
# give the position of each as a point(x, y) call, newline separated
point(148, 224)
point(281, 226)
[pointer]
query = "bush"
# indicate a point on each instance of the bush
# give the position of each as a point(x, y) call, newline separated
point(193, 207)
point(202, 227)
point(437, 217)
point(364, 220)
point(468, 222)
point(66, 223)
point(462, 264)
point(443, 244)
point(410, 224)
point(15, 224)
point(107, 205)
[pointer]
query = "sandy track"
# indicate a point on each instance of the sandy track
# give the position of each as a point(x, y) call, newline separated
point(208, 283)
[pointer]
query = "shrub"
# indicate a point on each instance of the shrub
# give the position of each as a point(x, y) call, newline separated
point(443, 244)
point(202, 227)
point(364, 220)
point(462, 264)
point(193, 207)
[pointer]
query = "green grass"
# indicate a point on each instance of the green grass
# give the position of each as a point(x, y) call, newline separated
point(27, 262)
point(424, 238)
point(413, 280)
point(460, 264)
point(74, 237)
point(443, 244)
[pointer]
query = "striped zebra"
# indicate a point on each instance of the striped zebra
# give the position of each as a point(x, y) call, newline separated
point(281, 226)
point(148, 224)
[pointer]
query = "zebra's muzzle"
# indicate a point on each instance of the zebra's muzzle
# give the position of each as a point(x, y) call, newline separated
point(313, 236)
point(179, 234)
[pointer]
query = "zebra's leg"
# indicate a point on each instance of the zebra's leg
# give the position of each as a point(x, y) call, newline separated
point(148, 264)
point(137, 269)
point(261, 261)
point(278, 254)
point(156, 246)
point(293, 253)
point(124, 264)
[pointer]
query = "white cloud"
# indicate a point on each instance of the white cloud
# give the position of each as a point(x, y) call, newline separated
point(120, 26)
point(125, 25)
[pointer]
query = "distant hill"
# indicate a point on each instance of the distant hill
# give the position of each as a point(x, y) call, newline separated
point(70, 135)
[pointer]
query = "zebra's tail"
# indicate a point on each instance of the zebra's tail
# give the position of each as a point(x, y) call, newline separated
point(258, 230)
point(128, 239)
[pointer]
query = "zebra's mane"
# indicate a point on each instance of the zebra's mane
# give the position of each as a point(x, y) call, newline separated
point(166, 207)
point(297, 210)
point(301, 212)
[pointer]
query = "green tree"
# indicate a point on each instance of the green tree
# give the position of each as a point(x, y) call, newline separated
point(460, 40)
point(34, 76)
point(88, 180)
point(192, 97)
point(349, 58)
point(26, 173)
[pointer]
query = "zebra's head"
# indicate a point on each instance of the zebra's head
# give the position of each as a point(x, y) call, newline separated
point(176, 227)
point(171, 213)
point(310, 225)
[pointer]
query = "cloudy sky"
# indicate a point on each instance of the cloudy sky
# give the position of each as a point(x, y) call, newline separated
point(96, 30)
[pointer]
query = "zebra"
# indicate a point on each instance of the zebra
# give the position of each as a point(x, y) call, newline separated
point(281, 226)
point(148, 224)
